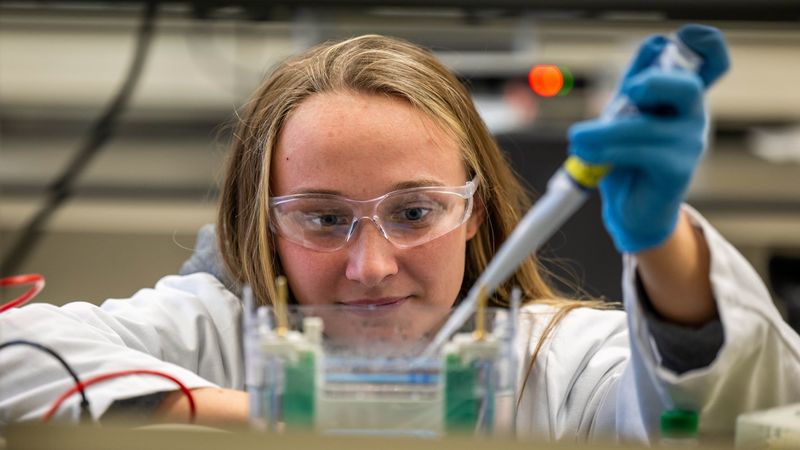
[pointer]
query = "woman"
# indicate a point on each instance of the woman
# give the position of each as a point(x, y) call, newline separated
point(355, 125)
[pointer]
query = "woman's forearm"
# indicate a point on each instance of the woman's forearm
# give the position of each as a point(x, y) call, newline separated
point(215, 406)
point(676, 276)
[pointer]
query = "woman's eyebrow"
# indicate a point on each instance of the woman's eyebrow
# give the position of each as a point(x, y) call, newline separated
point(421, 182)
point(315, 191)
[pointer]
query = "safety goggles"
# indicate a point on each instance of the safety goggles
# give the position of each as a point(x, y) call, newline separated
point(406, 217)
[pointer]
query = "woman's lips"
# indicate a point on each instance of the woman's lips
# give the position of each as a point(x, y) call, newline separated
point(373, 305)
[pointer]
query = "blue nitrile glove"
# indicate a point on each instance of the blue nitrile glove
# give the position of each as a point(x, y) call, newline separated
point(653, 154)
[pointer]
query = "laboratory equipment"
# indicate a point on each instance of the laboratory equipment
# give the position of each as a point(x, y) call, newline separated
point(355, 370)
point(679, 428)
point(777, 427)
point(19, 280)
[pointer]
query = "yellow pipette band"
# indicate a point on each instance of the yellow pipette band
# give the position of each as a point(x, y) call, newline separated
point(586, 175)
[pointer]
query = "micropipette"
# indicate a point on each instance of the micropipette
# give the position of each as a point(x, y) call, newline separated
point(566, 191)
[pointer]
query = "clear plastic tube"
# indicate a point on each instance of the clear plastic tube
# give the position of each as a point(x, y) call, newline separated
point(254, 366)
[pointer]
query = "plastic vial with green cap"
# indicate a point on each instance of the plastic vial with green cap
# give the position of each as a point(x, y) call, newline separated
point(679, 428)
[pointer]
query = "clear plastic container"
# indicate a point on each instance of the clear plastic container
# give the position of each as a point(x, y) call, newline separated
point(358, 370)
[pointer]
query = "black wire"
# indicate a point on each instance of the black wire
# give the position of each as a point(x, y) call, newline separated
point(78, 384)
point(101, 131)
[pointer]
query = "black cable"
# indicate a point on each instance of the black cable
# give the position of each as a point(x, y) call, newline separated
point(84, 400)
point(101, 131)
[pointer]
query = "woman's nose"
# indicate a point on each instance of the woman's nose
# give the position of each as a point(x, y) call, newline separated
point(371, 257)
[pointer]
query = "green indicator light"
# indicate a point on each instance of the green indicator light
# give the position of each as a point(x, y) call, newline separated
point(569, 81)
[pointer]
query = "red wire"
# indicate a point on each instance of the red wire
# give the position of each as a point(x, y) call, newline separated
point(107, 376)
point(34, 278)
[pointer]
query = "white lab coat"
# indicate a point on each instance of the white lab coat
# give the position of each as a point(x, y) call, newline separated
point(597, 376)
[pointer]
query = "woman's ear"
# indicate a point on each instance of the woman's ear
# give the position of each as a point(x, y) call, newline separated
point(476, 219)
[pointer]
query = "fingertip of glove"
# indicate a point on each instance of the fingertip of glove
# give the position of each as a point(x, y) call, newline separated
point(708, 42)
point(649, 50)
point(653, 43)
point(701, 38)
point(654, 87)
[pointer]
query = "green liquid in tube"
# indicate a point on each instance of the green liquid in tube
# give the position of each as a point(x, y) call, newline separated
point(679, 428)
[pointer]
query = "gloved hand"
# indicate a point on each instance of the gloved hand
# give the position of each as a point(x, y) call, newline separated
point(655, 152)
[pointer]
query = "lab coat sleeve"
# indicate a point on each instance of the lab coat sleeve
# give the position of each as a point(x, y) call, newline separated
point(569, 393)
point(600, 374)
point(755, 368)
point(187, 326)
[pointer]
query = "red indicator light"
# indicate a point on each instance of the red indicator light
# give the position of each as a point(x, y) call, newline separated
point(546, 80)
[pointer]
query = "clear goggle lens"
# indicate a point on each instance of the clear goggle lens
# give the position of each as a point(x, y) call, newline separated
point(407, 218)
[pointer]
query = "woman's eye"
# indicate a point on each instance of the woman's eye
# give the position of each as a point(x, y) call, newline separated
point(415, 214)
point(327, 220)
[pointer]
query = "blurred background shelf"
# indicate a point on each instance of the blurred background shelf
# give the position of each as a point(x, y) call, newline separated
point(136, 208)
